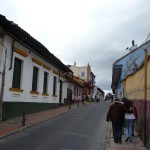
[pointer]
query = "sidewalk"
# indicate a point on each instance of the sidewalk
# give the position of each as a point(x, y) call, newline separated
point(137, 144)
point(14, 125)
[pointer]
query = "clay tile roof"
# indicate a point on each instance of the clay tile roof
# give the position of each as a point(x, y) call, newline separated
point(21, 35)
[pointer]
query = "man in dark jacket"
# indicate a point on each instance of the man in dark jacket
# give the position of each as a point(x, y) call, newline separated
point(116, 114)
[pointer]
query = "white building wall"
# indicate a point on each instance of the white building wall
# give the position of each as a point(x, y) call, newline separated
point(95, 91)
point(77, 71)
point(71, 86)
point(2, 61)
point(26, 79)
point(64, 93)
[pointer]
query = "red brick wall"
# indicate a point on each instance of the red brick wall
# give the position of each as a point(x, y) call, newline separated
point(140, 124)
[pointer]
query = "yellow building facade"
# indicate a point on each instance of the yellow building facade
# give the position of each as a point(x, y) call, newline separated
point(134, 89)
point(134, 84)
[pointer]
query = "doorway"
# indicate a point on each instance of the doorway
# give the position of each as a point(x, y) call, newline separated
point(60, 93)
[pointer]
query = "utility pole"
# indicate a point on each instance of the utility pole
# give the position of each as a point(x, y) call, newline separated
point(1, 78)
point(145, 98)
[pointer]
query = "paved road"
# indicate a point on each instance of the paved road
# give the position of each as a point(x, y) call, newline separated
point(81, 129)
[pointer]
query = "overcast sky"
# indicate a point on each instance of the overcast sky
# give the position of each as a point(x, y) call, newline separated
point(85, 31)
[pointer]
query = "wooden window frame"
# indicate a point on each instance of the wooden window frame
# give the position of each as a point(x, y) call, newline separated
point(17, 73)
point(35, 80)
point(54, 86)
point(45, 83)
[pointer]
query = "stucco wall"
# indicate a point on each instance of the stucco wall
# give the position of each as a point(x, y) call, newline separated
point(134, 89)
point(13, 101)
point(134, 85)
point(26, 78)
point(77, 71)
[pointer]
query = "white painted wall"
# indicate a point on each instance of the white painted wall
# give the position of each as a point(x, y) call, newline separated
point(95, 91)
point(26, 79)
point(77, 71)
point(2, 57)
point(70, 85)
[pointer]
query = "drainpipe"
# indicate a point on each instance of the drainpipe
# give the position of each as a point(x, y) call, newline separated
point(124, 87)
point(12, 54)
point(145, 98)
point(59, 76)
point(3, 83)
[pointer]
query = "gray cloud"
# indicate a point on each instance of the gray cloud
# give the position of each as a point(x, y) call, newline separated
point(97, 34)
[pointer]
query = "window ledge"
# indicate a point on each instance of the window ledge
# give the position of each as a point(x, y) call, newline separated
point(54, 95)
point(34, 92)
point(44, 94)
point(16, 90)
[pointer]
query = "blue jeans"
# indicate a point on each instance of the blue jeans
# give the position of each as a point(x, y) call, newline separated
point(117, 130)
point(129, 127)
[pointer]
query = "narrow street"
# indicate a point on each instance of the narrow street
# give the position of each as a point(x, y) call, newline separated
point(80, 129)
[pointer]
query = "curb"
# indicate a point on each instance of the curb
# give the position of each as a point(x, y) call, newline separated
point(108, 136)
point(110, 145)
point(38, 122)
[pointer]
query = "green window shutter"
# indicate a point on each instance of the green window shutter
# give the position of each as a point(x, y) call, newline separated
point(34, 79)
point(54, 85)
point(45, 82)
point(17, 73)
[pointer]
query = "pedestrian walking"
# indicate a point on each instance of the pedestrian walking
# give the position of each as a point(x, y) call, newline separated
point(126, 103)
point(129, 122)
point(83, 98)
point(116, 115)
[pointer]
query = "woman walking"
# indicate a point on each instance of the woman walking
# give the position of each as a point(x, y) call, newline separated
point(129, 122)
